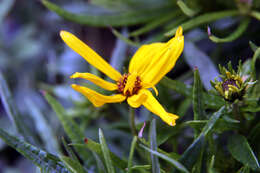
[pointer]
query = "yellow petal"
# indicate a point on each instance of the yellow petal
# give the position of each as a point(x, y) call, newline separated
point(96, 80)
point(165, 60)
point(141, 59)
point(96, 98)
point(89, 55)
point(155, 107)
point(137, 100)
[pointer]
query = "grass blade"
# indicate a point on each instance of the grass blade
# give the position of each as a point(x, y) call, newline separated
point(153, 146)
point(233, 36)
point(72, 165)
point(203, 19)
point(175, 163)
point(130, 159)
point(106, 153)
point(42, 159)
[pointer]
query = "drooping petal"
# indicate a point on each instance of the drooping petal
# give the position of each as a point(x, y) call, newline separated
point(164, 61)
point(96, 80)
point(154, 61)
point(89, 55)
point(96, 98)
point(137, 100)
point(155, 107)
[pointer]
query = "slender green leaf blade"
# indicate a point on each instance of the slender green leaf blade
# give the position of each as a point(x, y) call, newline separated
point(106, 153)
point(175, 163)
point(234, 35)
point(12, 112)
point(131, 154)
point(242, 152)
point(72, 165)
point(198, 104)
point(44, 160)
point(153, 146)
point(72, 129)
point(124, 18)
point(96, 147)
point(205, 18)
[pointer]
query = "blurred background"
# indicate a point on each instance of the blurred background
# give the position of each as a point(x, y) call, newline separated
point(34, 60)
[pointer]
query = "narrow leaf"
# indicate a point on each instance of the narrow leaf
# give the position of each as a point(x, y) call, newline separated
point(153, 146)
point(203, 19)
point(131, 154)
point(72, 129)
point(233, 36)
point(198, 104)
point(123, 18)
point(242, 152)
point(12, 112)
point(106, 153)
point(125, 39)
point(185, 9)
point(175, 163)
point(72, 165)
point(155, 23)
point(96, 147)
point(42, 159)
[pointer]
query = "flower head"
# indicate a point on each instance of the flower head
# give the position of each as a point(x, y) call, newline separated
point(233, 85)
point(147, 67)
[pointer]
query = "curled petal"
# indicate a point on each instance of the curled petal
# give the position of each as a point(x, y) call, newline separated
point(154, 61)
point(89, 55)
point(137, 100)
point(96, 98)
point(155, 107)
point(96, 80)
point(165, 60)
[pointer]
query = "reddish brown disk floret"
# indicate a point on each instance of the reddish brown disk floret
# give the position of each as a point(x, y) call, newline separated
point(122, 82)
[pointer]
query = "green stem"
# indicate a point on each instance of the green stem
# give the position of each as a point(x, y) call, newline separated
point(132, 121)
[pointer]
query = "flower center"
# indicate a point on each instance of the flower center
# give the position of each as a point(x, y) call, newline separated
point(229, 82)
point(129, 84)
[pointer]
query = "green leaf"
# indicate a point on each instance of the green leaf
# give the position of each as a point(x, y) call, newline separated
point(203, 19)
point(253, 46)
point(118, 18)
point(175, 163)
point(125, 39)
point(71, 128)
point(185, 9)
point(153, 146)
point(72, 165)
point(106, 153)
point(69, 150)
point(131, 154)
point(242, 152)
point(233, 36)
point(42, 159)
point(141, 168)
point(155, 23)
point(255, 14)
point(192, 153)
point(17, 119)
point(95, 147)
point(244, 169)
point(253, 62)
point(198, 104)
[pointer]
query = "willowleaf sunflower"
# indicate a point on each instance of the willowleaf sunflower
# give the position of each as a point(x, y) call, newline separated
point(148, 66)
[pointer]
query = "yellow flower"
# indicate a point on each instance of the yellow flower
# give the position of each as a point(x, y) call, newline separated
point(147, 67)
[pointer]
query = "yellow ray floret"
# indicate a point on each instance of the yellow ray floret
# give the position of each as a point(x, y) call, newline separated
point(96, 98)
point(89, 55)
point(96, 80)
